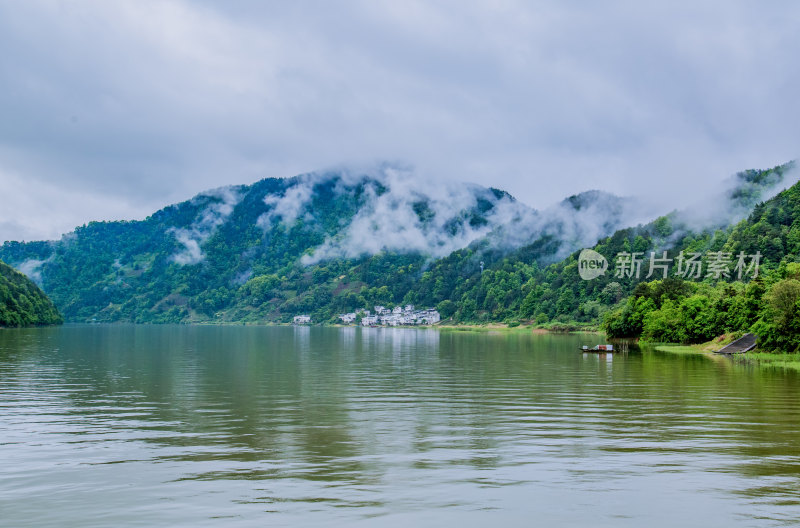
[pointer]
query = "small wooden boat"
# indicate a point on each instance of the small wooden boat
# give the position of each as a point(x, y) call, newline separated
point(598, 348)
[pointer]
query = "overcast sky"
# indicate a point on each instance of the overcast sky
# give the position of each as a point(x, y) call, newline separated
point(111, 109)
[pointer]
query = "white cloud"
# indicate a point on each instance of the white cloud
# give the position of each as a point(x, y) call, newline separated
point(191, 254)
point(288, 206)
point(220, 207)
point(390, 219)
point(32, 268)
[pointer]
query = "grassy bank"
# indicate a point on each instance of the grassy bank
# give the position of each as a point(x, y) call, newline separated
point(770, 359)
point(703, 348)
point(756, 357)
point(681, 349)
point(551, 328)
point(554, 328)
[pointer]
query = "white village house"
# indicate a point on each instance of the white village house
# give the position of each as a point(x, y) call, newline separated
point(348, 318)
point(369, 320)
point(399, 316)
point(301, 319)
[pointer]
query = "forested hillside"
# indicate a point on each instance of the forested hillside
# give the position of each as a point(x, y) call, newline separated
point(317, 243)
point(323, 244)
point(765, 302)
point(516, 287)
point(22, 303)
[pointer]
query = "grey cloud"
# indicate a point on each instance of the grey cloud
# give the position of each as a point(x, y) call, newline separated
point(143, 103)
point(731, 203)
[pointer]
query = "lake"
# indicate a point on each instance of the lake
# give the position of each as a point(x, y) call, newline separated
point(280, 426)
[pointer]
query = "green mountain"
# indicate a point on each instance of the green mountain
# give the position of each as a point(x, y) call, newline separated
point(728, 295)
point(327, 243)
point(763, 299)
point(22, 303)
point(321, 243)
point(516, 287)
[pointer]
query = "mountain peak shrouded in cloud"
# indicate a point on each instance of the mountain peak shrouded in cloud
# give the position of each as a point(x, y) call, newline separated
point(733, 201)
point(232, 233)
point(335, 223)
point(349, 213)
point(398, 210)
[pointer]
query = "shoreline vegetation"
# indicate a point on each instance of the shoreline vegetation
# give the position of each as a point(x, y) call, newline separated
point(252, 264)
point(757, 357)
point(669, 281)
point(465, 327)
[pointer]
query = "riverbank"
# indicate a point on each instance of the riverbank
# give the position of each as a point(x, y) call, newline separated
point(448, 325)
point(550, 328)
point(770, 359)
point(514, 330)
point(706, 349)
point(756, 357)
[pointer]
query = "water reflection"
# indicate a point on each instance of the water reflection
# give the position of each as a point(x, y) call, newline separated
point(347, 424)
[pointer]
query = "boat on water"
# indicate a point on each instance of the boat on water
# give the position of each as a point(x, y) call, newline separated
point(598, 348)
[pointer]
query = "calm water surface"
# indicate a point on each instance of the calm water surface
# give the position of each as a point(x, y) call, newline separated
point(246, 426)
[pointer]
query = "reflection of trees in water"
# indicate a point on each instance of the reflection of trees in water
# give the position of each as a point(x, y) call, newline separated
point(215, 393)
point(355, 405)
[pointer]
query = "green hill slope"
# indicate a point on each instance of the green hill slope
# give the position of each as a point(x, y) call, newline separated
point(763, 299)
point(318, 243)
point(516, 286)
point(22, 303)
point(324, 244)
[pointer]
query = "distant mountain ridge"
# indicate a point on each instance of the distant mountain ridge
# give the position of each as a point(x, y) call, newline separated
point(317, 242)
point(747, 216)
